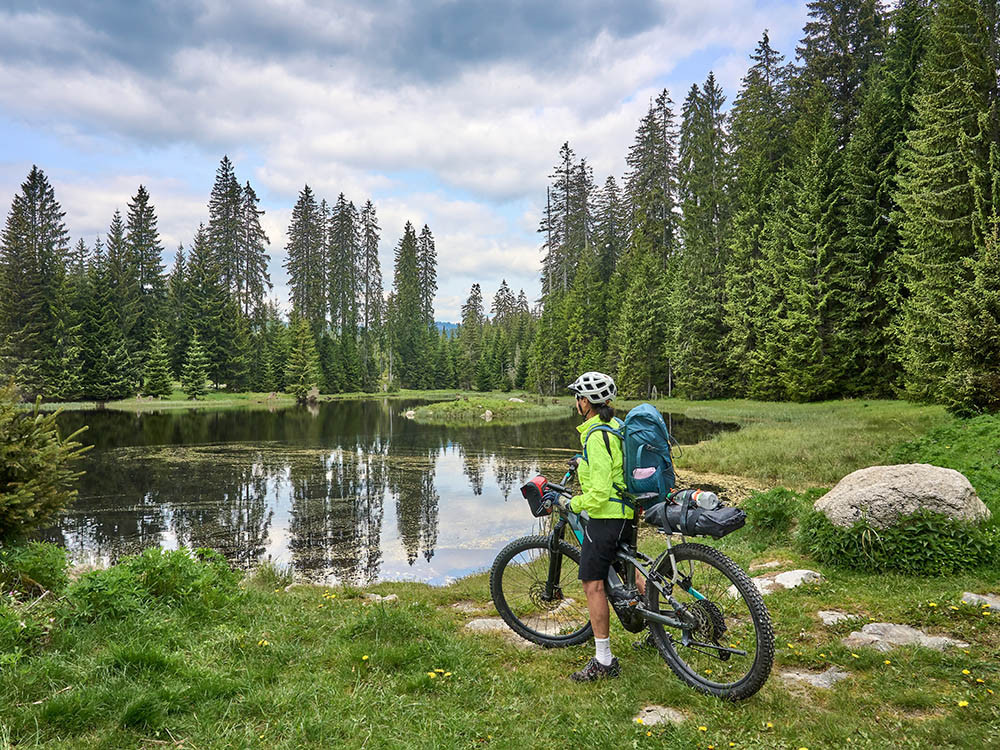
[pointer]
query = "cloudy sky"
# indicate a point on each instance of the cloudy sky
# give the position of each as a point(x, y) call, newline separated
point(449, 112)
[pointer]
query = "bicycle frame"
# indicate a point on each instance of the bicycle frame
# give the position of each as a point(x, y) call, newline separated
point(633, 561)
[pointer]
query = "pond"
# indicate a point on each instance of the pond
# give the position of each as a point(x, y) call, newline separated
point(344, 491)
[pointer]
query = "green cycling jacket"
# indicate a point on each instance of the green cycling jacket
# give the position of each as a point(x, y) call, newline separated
point(599, 474)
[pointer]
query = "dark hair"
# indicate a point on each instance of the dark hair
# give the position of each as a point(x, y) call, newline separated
point(604, 411)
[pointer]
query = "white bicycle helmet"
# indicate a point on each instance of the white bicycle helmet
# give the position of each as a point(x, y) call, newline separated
point(596, 387)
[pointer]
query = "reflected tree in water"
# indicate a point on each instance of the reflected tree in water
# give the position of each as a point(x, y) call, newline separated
point(411, 481)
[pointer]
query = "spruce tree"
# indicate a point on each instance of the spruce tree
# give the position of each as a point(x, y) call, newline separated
point(142, 241)
point(972, 385)
point(254, 281)
point(843, 40)
point(158, 382)
point(408, 326)
point(704, 179)
point(651, 181)
point(206, 310)
point(820, 326)
point(303, 369)
point(195, 371)
point(940, 223)
point(427, 273)
point(343, 267)
point(372, 311)
point(223, 233)
point(871, 170)
point(125, 297)
point(642, 332)
point(504, 305)
point(759, 137)
point(305, 262)
point(610, 229)
point(36, 334)
point(178, 324)
point(470, 336)
point(586, 322)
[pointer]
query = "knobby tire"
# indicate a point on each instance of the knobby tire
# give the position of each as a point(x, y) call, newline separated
point(674, 653)
point(512, 584)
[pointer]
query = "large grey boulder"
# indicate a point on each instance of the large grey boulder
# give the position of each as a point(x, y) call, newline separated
point(882, 495)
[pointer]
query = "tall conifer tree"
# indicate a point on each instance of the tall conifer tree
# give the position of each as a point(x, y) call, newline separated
point(940, 224)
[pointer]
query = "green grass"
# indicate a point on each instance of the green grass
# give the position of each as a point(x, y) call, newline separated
point(469, 408)
point(270, 669)
point(802, 445)
point(226, 400)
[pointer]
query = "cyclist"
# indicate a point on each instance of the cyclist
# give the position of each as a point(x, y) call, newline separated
point(611, 519)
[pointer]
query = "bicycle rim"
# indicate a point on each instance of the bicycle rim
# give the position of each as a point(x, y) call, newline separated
point(551, 615)
point(729, 612)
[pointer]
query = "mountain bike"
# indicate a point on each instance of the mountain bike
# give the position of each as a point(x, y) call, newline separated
point(707, 619)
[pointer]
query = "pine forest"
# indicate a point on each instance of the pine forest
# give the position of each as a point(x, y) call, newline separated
point(832, 232)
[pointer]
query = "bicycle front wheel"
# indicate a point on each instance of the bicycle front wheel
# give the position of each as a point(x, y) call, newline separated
point(730, 649)
point(539, 593)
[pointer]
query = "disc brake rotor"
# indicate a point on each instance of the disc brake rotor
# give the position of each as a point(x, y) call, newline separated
point(536, 593)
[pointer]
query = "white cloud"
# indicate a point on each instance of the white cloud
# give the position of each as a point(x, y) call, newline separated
point(320, 99)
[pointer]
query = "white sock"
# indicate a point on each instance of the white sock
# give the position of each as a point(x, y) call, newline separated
point(603, 654)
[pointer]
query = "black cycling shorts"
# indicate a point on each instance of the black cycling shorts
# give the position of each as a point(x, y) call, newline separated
point(601, 537)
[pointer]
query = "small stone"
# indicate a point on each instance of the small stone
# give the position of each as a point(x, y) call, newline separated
point(780, 581)
point(516, 400)
point(825, 680)
point(991, 600)
point(496, 625)
point(487, 416)
point(380, 598)
point(410, 414)
point(652, 715)
point(794, 578)
point(884, 636)
point(486, 625)
point(834, 616)
point(467, 608)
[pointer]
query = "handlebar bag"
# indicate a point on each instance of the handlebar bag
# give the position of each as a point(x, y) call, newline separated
point(532, 492)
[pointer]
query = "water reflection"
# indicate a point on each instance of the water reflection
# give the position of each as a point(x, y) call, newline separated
point(348, 491)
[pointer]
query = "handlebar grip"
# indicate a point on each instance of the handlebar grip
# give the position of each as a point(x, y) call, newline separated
point(558, 488)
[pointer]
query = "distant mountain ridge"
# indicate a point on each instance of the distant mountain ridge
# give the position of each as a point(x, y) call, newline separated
point(447, 327)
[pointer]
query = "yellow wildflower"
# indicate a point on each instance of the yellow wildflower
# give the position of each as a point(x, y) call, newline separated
point(887, 662)
point(953, 607)
point(638, 720)
point(439, 670)
point(963, 704)
point(966, 671)
point(432, 675)
point(769, 725)
point(980, 680)
point(702, 729)
point(822, 656)
point(649, 734)
point(447, 674)
point(364, 658)
point(855, 655)
point(931, 604)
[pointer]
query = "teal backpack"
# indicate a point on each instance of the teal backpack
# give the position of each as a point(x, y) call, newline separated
point(649, 465)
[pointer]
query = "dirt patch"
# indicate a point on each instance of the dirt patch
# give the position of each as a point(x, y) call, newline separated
point(732, 489)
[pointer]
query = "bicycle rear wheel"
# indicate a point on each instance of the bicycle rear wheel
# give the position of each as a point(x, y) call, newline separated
point(729, 612)
point(549, 613)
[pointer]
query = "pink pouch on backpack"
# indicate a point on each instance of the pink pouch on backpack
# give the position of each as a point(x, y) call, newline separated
point(643, 473)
